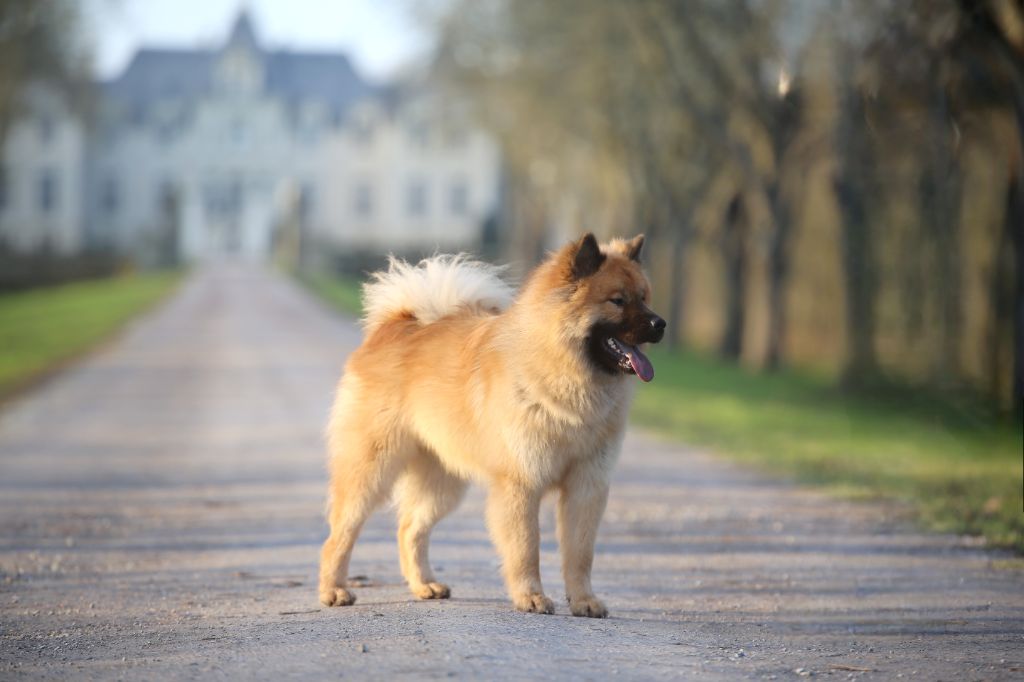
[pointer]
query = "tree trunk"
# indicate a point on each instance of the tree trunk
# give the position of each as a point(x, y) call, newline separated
point(997, 26)
point(786, 121)
point(859, 276)
point(940, 207)
point(859, 281)
point(734, 255)
point(778, 272)
point(1014, 223)
point(677, 296)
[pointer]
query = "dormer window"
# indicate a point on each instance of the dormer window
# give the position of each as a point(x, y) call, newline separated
point(312, 119)
point(361, 124)
point(239, 71)
point(240, 68)
point(362, 131)
point(237, 132)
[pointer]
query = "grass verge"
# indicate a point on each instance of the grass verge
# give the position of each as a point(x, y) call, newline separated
point(957, 475)
point(43, 328)
point(342, 293)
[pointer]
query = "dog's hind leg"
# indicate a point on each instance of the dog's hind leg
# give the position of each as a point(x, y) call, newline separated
point(425, 494)
point(362, 473)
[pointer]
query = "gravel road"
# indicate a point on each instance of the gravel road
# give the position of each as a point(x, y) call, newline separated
point(161, 514)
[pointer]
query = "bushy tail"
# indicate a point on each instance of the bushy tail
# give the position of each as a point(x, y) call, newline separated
point(435, 287)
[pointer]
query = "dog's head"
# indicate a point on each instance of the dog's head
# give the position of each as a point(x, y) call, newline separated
point(611, 294)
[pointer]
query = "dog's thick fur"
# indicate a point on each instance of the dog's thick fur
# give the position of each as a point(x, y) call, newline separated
point(457, 379)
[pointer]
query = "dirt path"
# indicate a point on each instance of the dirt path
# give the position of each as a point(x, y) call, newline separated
point(160, 516)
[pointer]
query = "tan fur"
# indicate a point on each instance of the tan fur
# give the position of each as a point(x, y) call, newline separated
point(506, 399)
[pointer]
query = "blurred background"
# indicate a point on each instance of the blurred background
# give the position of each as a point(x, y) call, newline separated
point(832, 193)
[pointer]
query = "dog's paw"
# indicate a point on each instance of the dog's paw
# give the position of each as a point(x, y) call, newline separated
point(431, 591)
point(533, 603)
point(337, 596)
point(588, 607)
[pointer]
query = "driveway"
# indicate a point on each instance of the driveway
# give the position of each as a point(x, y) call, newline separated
point(161, 514)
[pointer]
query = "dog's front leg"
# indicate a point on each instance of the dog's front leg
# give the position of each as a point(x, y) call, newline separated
point(584, 493)
point(512, 516)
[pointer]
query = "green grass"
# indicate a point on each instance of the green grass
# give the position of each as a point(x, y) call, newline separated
point(957, 474)
point(342, 293)
point(42, 328)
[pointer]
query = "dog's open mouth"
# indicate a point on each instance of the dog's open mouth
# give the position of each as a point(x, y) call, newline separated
point(630, 359)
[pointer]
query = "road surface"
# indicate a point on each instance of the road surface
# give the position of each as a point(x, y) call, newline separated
point(161, 514)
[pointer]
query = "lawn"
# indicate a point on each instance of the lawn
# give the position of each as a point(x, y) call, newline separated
point(343, 293)
point(42, 328)
point(955, 470)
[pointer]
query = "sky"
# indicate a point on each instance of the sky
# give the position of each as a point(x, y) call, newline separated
point(380, 36)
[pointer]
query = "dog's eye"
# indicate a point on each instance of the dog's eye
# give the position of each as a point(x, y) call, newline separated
point(618, 300)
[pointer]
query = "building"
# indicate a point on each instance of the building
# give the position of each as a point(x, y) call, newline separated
point(42, 177)
point(227, 151)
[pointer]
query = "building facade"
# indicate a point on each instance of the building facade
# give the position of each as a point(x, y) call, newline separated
point(42, 177)
point(224, 152)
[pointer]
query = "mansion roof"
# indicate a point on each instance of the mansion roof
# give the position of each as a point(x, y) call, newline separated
point(296, 77)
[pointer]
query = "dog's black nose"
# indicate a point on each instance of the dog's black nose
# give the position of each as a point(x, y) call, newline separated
point(657, 329)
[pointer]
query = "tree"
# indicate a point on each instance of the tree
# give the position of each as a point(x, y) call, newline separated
point(39, 43)
point(708, 125)
point(993, 38)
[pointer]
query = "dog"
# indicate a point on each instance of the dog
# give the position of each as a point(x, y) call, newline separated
point(459, 379)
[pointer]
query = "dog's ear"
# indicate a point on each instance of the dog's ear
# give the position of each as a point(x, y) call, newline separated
point(587, 257)
point(634, 247)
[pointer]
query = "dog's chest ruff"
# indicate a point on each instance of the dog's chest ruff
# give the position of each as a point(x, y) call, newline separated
point(546, 434)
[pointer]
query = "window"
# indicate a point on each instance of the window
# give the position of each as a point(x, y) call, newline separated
point(363, 132)
point(235, 195)
point(456, 137)
point(165, 134)
point(137, 115)
point(212, 198)
point(46, 129)
point(166, 196)
point(419, 134)
point(47, 191)
point(364, 200)
point(239, 72)
point(311, 119)
point(238, 133)
point(109, 197)
point(222, 196)
point(458, 198)
point(416, 198)
point(307, 198)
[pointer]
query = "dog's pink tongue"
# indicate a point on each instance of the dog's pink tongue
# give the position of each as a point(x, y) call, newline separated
point(641, 365)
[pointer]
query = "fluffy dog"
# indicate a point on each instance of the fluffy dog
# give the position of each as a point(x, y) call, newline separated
point(460, 379)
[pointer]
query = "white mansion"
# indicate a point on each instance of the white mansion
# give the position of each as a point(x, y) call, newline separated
point(232, 145)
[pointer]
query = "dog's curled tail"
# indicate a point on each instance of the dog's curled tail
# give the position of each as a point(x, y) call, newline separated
point(434, 288)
